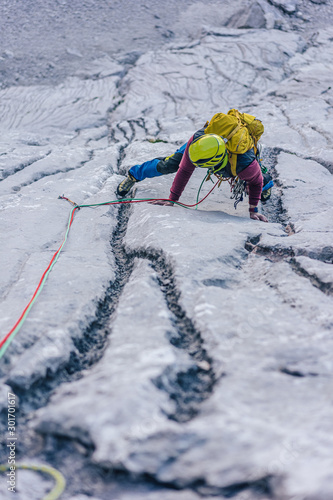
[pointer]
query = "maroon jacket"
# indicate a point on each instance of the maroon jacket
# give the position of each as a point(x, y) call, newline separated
point(251, 174)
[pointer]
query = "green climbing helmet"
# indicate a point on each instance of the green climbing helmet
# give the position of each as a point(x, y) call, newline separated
point(208, 151)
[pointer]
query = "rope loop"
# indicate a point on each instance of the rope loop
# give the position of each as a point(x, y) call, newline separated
point(60, 482)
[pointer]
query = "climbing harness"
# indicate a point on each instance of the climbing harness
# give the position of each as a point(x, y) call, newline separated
point(6, 341)
point(60, 481)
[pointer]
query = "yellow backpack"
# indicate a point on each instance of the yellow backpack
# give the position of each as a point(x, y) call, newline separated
point(240, 132)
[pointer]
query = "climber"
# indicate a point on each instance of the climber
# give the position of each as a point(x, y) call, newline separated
point(206, 151)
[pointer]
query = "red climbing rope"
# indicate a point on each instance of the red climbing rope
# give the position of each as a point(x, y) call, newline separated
point(4, 343)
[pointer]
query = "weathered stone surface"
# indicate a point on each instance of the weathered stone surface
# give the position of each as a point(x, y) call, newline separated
point(287, 6)
point(174, 353)
point(254, 17)
point(127, 405)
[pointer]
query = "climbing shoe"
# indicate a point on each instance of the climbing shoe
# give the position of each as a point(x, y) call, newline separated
point(126, 185)
point(267, 187)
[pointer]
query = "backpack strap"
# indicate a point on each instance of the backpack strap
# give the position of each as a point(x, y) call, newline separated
point(233, 132)
point(233, 163)
point(233, 157)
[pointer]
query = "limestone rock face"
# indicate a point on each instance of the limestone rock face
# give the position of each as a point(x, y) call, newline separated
point(172, 353)
point(254, 18)
point(287, 6)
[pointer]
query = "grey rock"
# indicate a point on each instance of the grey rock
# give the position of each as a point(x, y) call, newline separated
point(196, 345)
point(287, 6)
point(253, 17)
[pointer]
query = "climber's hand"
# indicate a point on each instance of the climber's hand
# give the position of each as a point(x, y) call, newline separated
point(161, 202)
point(257, 216)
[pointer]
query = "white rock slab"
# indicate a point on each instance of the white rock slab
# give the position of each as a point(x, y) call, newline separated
point(127, 405)
point(266, 328)
point(307, 188)
point(179, 86)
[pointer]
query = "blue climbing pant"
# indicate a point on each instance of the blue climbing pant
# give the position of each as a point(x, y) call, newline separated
point(158, 166)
